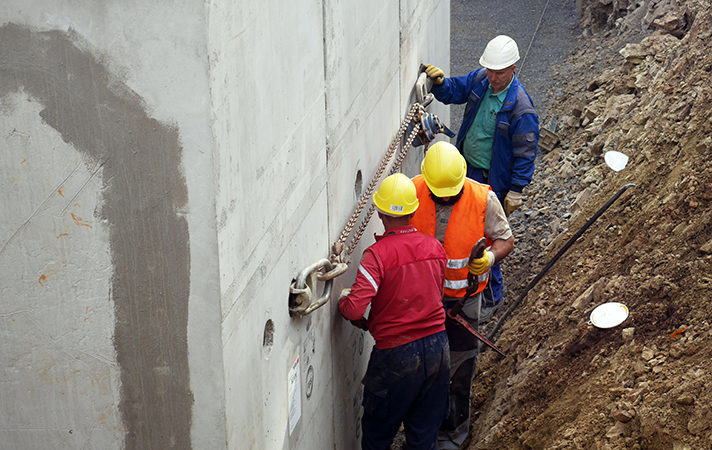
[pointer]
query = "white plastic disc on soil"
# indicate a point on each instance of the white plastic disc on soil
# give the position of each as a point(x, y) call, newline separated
point(616, 160)
point(609, 315)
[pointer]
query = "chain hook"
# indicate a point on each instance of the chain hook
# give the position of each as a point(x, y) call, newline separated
point(303, 298)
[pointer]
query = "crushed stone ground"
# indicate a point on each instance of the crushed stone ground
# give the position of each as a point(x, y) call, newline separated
point(635, 79)
point(638, 82)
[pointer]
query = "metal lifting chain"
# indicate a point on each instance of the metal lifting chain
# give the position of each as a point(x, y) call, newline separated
point(303, 297)
point(339, 253)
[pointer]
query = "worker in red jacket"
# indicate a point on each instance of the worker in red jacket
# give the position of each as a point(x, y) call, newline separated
point(458, 212)
point(401, 276)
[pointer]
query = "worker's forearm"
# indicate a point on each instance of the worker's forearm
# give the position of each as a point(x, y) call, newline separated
point(354, 306)
point(501, 248)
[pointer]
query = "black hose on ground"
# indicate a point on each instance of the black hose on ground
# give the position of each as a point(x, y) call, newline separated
point(548, 266)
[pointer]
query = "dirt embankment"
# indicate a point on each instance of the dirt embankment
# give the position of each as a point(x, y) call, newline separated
point(638, 83)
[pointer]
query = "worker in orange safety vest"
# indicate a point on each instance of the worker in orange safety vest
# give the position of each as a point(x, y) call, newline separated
point(458, 212)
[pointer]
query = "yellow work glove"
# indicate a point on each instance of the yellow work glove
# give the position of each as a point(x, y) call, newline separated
point(512, 202)
point(481, 265)
point(436, 74)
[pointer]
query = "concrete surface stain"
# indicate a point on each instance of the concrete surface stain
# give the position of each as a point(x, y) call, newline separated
point(143, 190)
point(79, 221)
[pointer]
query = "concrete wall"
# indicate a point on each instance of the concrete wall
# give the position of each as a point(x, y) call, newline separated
point(167, 169)
point(109, 306)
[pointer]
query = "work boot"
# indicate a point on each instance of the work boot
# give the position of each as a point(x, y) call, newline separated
point(489, 307)
point(489, 311)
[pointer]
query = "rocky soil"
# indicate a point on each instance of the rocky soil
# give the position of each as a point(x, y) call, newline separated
point(637, 83)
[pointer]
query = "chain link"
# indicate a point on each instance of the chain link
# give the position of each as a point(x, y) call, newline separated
point(339, 253)
point(371, 210)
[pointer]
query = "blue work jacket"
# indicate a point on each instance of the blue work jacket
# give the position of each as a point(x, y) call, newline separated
point(516, 138)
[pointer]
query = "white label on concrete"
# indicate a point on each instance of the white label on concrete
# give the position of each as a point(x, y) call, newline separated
point(295, 396)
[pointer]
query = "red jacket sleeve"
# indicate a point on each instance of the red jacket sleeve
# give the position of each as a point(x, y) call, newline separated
point(365, 287)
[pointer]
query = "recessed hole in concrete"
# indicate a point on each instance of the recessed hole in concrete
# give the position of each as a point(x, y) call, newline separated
point(268, 339)
point(358, 187)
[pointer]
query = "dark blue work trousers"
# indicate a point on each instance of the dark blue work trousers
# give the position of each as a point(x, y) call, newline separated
point(407, 384)
point(496, 281)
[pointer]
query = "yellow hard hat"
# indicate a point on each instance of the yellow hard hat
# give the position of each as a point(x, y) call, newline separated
point(444, 169)
point(396, 196)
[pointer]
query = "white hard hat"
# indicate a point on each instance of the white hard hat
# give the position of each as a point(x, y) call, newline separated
point(500, 53)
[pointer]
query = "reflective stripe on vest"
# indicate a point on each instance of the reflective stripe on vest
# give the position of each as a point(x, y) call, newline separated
point(457, 263)
point(465, 228)
point(462, 284)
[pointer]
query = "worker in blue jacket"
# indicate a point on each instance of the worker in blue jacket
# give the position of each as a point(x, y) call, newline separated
point(499, 133)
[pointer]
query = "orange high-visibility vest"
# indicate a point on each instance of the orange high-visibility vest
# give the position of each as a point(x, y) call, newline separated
point(465, 228)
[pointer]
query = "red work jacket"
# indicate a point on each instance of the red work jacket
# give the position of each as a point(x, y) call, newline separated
point(401, 276)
